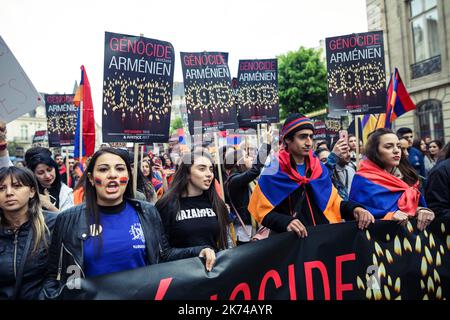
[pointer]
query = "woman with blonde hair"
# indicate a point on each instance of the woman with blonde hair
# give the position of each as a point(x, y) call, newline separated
point(24, 235)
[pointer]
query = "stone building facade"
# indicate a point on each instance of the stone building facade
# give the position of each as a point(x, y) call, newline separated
point(417, 41)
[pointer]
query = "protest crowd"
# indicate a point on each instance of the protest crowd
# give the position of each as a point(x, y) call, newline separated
point(107, 210)
point(178, 210)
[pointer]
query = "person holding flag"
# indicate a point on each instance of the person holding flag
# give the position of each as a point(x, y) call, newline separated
point(387, 184)
point(295, 191)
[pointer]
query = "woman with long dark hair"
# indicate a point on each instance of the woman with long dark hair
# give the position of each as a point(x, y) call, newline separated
point(387, 185)
point(144, 186)
point(191, 210)
point(111, 232)
point(55, 195)
point(154, 174)
point(168, 167)
point(25, 233)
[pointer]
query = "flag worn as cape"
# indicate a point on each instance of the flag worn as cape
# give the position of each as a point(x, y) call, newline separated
point(83, 94)
point(279, 179)
point(398, 99)
point(383, 193)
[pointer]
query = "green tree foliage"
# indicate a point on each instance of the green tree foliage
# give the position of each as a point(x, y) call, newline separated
point(302, 80)
point(175, 124)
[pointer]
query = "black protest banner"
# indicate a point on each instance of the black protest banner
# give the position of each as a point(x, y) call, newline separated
point(356, 73)
point(332, 129)
point(207, 87)
point(61, 119)
point(137, 89)
point(257, 98)
point(40, 138)
point(335, 262)
point(320, 130)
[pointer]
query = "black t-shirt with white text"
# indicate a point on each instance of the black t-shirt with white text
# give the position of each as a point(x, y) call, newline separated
point(195, 224)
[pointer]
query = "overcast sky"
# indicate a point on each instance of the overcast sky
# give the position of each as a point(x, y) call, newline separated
point(52, 38)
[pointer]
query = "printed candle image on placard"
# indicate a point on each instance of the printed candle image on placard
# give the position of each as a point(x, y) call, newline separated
point(137, 89)
point(207, 87)
point(257, 92)
point(356, 73)
point(61, 119)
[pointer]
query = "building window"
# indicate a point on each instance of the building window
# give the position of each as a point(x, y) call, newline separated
point(425, 34)
point(431, 123)
point(24, 132)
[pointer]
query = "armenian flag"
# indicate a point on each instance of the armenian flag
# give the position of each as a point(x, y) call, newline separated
point(83, 98)
point(234, 139)
point(370, 123)
point(398, 99)
point(279, 179)
point(383, 193)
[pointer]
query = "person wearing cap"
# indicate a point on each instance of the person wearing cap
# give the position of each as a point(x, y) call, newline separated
point(295, 191)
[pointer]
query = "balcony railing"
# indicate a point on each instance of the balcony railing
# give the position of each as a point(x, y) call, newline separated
point(426, 67)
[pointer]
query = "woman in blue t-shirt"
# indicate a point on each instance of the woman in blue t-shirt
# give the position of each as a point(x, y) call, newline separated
point(192, 212)
point(111, 232)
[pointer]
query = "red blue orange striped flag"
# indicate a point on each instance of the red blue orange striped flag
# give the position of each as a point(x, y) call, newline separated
point(279, 179)
point(83, 95)
point(382, 193)
point(398, 99)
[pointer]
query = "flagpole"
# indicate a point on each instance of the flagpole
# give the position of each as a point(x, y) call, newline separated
point(136, 158)
point(67, 167)
point(219, 167)
point(258, 135)
point(268, 137)
point(80, 157)
point(246, 145)
point(136, 154)
point(357, 139)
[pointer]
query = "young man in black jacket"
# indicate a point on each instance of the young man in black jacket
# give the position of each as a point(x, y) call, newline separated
point(437, 192)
